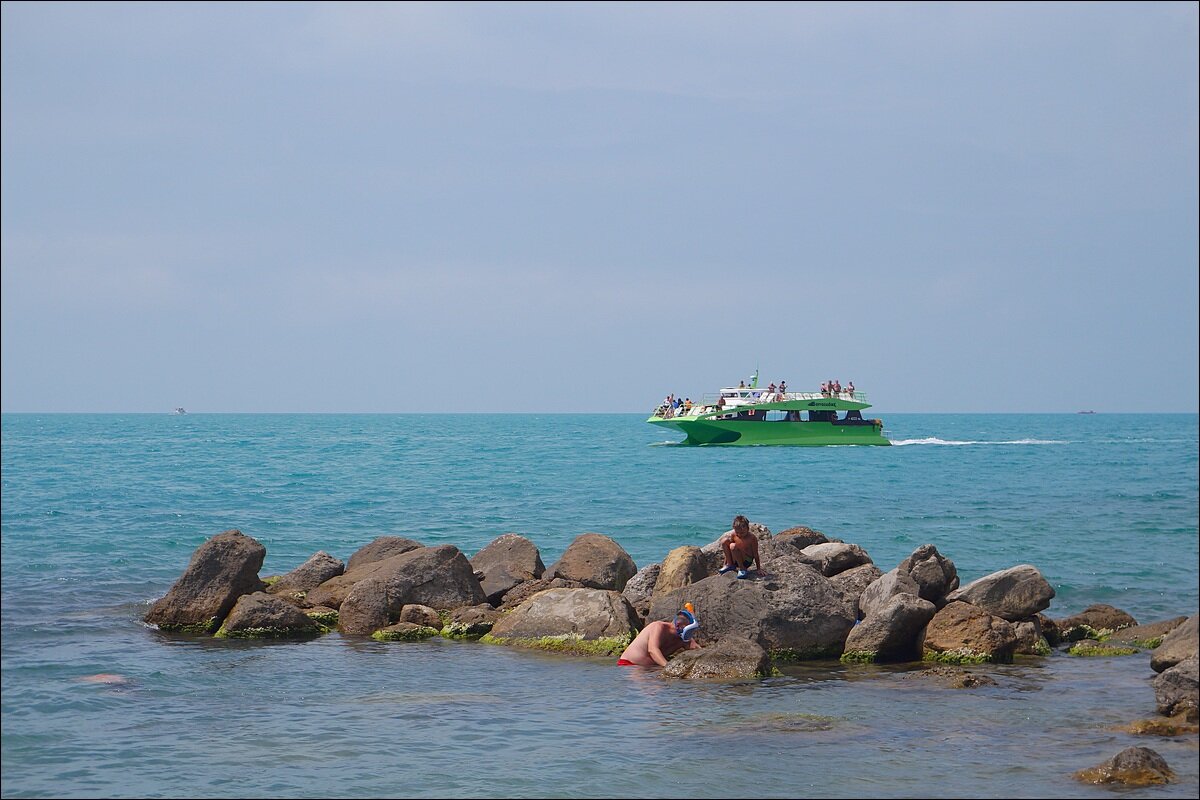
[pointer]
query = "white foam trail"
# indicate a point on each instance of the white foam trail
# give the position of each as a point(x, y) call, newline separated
point(954, 443)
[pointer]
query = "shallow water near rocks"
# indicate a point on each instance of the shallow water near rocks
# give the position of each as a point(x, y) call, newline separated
point(102, 512)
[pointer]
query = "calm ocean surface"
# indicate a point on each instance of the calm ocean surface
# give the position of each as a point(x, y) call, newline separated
point(102, 512)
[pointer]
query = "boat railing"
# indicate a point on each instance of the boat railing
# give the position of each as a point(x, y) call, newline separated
point(709, 402)
point(765, 397)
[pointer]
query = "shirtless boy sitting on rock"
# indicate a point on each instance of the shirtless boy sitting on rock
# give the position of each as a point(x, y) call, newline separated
point(740, 547)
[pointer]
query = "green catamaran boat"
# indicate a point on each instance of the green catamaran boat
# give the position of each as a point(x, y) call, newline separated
point(749, 415)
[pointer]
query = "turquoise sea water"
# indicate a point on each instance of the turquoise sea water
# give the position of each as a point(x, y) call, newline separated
point(102, 512)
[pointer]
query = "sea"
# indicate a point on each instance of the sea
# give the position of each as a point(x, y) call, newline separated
point(102, 512)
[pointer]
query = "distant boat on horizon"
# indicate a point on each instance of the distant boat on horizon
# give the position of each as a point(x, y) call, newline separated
point(1085, 412)
point(180, 410)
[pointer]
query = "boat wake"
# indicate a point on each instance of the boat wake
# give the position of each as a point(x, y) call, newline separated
point(954, 443)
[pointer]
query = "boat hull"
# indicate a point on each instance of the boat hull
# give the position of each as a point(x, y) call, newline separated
point(758, 432)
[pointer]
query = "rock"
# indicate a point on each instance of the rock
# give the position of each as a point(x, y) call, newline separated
point(793, 612)
point(404, 632)
point(731, 658)
point(1175, 726)
point(596, 561)
point(523, 591)
point(640, 587)
point(1177, 690)
point(832, 558)
point(891, 632)
point(379, 549)
point(1150, 635)
point(1094, 648)
point(1095, 622)
point(1030, 641)
point(263, 616)
point(319, 568)
point(962, 633)
point(1178, 645)
point(333, 591)
point(888, 585)
point(935, 575)
point(421, 615)
point(470, 622)
point(682, 566)
point(583, 621)
point(953, 676)
point(1133, 766)
point(508, 560)
point(1014, 593)
point(800, 537)
point(221, 570)
point(1050, 629)
point(851, 584)
point(439, 577)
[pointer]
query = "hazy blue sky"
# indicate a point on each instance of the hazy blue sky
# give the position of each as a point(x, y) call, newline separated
point(555, 207)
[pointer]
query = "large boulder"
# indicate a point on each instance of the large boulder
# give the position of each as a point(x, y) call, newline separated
point(439, 577)
point(379, 549)
point(640, 588)
point(1177, 690)
point(793, 612)
point(1015, 593)
point(508, 560)
point(319, 568)
point(853, 582)
point(891, 632)
point(963, 633)
point(731, 658)
point(523, 591)
point(1178, 645)
point(935, 575)
point(831, 558)
point(596, 561)
point(221, 570)
point(682, 566)
point(585, 621)
point(880, 593)
point(333, 591)
point(263, 616)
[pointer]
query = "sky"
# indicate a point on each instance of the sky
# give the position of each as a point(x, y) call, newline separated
point(559, 207)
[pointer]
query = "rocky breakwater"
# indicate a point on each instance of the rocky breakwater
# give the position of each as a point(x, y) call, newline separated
point(820, 598)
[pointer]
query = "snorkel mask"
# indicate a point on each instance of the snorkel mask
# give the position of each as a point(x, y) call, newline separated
point(688, 613)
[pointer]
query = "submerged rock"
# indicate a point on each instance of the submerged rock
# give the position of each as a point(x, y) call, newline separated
point(1133, 766)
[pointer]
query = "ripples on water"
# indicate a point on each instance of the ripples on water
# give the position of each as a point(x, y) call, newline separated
point(101, 514)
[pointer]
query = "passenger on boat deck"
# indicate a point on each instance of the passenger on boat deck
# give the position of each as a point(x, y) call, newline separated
point(771, 392)
point(824, 389)
point(850, 388)
point(687, 405)
point(837, 386)
point(741, 384)
point(783, 390)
